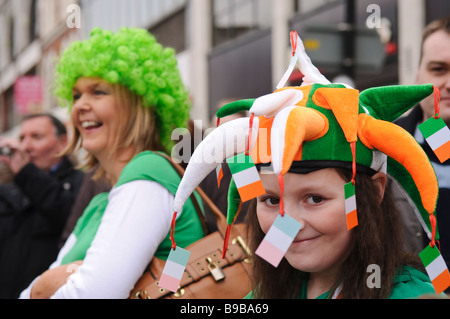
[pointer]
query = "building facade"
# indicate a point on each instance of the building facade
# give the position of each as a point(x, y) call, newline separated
point(32, 33)
point(226, 49)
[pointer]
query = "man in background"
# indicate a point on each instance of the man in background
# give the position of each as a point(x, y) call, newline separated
point(37, 202)
point(434, 68)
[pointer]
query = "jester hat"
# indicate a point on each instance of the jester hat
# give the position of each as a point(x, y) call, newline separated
point(318, 125)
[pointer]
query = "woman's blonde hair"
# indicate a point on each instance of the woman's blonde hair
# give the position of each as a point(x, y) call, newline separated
point(137, 129)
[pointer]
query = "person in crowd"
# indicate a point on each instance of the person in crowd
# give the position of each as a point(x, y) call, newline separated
point(36, 204)
point(434, 68)
point(323, 224)
point(126, 96)
point(6, 175)
point(214, 190)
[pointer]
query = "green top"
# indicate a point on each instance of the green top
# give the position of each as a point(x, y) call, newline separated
point(409, 283)
point(144, 166)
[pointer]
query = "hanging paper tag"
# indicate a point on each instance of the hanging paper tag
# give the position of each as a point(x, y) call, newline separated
point(350, 206)
point(337, 293)
point(246, 177)
point(436, 268)
point(219, 174)
point(174, 269)
point(437, 136)
point(278, 239)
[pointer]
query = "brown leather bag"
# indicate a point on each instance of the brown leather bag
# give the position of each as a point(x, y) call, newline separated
point(207, 275)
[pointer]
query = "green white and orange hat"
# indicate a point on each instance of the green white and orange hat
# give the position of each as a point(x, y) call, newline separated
point(316, 125)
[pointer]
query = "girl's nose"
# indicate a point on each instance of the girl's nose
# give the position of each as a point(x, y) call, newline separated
point(295, 213)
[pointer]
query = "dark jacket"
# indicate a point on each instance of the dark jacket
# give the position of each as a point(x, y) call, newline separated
point(410, 123)
point(33, 212)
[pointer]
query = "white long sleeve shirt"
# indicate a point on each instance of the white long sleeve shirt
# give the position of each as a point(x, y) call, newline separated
point(136, 220)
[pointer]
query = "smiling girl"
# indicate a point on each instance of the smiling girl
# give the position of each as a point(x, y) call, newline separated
point(325, 255)
point(324, 153)
point(328, 143)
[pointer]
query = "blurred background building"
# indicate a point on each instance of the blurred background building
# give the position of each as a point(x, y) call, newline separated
point(225, 48)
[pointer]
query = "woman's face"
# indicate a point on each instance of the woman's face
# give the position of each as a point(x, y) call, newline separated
point(317, 201)
point(95, 114)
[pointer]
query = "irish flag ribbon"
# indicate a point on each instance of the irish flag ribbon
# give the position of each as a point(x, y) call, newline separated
point(437, 135)
point(174, 269)
point(436, 268)
point(350, 206)
point(245, 176)
point(278, 239)
point(219, 174)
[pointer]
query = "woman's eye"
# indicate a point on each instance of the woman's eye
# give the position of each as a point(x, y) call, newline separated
point(314, 199)
point(99, 92)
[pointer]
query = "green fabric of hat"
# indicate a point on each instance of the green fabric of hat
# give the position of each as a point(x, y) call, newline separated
point(379, 142)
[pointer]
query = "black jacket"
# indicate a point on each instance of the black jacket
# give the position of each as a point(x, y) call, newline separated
point(33, 212)
point(410, 123)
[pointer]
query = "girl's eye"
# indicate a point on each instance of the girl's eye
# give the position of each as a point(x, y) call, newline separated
point(76, 96)
point(271, 201)
point(314, 199)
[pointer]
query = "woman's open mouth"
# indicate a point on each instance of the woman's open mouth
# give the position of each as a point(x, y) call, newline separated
point(90, 125)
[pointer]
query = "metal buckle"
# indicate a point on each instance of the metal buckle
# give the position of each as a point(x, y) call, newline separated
point(239, 240)
point(215, 270)
point(180, 292)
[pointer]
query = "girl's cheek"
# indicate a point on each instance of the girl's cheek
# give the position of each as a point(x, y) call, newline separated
point(265, 219)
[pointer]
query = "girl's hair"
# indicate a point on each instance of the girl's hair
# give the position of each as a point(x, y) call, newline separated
point(376, 240)
point(138, 128)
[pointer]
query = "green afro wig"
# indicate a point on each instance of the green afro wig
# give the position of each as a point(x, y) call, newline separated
point(133, 58)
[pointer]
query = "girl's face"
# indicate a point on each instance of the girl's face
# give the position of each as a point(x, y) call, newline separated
point(317, 201)
point(95, 114)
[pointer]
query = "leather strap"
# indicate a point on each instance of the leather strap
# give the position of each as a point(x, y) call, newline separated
point(209, 246)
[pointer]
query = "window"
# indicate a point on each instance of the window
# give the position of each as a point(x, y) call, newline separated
point(170, 32)
point(304, 6)
point(11, 118)
point(11, 37)
point(231, 18)
point(33, 27)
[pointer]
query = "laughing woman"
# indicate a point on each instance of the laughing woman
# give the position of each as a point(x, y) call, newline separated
point(126, 96)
